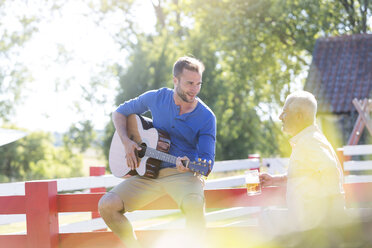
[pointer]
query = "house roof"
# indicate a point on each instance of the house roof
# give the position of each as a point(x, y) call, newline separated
point(341, 70)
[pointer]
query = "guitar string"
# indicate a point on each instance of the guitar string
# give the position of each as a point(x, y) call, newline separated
point(159, 155)
point(153, 153)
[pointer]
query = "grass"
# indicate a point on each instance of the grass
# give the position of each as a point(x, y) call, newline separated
point(13, 228)
point(92, 157)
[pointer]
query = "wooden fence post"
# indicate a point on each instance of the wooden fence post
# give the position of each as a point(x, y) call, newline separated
point(255, 157)
point(42, 214)
point(342, 158)
point(97, 171)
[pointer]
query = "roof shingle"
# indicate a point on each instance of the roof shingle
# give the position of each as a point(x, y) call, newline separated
point(341, 70)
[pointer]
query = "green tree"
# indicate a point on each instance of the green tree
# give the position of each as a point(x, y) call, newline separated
point(35, 157)
point(264, 47)
point(150, 66)
point(15, 30)
point(256, 53)
point(80, 135)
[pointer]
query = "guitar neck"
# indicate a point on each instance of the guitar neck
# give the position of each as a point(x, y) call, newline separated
point(162, 156)
point(200, 167)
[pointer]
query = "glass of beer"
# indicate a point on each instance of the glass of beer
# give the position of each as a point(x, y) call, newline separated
point(252, 182)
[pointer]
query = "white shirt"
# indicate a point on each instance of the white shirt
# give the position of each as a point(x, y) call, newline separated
point(315, 180)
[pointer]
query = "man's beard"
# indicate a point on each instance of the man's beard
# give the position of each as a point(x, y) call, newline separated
point(183, 95)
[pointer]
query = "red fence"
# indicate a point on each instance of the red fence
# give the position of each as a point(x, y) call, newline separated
point(42, 203)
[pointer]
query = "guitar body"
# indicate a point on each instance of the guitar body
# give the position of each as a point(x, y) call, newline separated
point(141, 131)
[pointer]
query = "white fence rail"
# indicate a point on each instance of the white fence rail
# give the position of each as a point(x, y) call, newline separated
point(355, 165)
point(81, 183)
point(357, 150)
point(231, 165)
point(65, 184)
point(273, 166)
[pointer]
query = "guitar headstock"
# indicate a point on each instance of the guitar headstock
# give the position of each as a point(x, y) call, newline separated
point(200, 166)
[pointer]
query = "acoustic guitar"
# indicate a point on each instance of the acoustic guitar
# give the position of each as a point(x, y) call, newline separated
point(155, 145)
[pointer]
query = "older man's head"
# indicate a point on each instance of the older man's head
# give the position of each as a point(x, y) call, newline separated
point(299, 112)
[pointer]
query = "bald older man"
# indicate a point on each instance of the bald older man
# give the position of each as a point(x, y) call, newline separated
point(314, 181)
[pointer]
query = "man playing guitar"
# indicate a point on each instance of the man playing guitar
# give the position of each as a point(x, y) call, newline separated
point(191, 126)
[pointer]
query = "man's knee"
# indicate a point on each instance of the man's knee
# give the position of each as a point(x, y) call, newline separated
point(192, 203)
point(110, 203)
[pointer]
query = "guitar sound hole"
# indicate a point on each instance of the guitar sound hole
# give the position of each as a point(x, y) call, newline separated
point(142, 152)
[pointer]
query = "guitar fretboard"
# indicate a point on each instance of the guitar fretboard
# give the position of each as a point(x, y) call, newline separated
point(165, 157)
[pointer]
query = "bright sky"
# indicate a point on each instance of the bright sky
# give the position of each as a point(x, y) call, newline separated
point(88, 48)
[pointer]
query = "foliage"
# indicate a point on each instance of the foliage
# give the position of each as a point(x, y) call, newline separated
point(15, 31)
point(264, 47)
point(80, 135)
point(255, 52)
point(35, 157)
point(108, 133)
